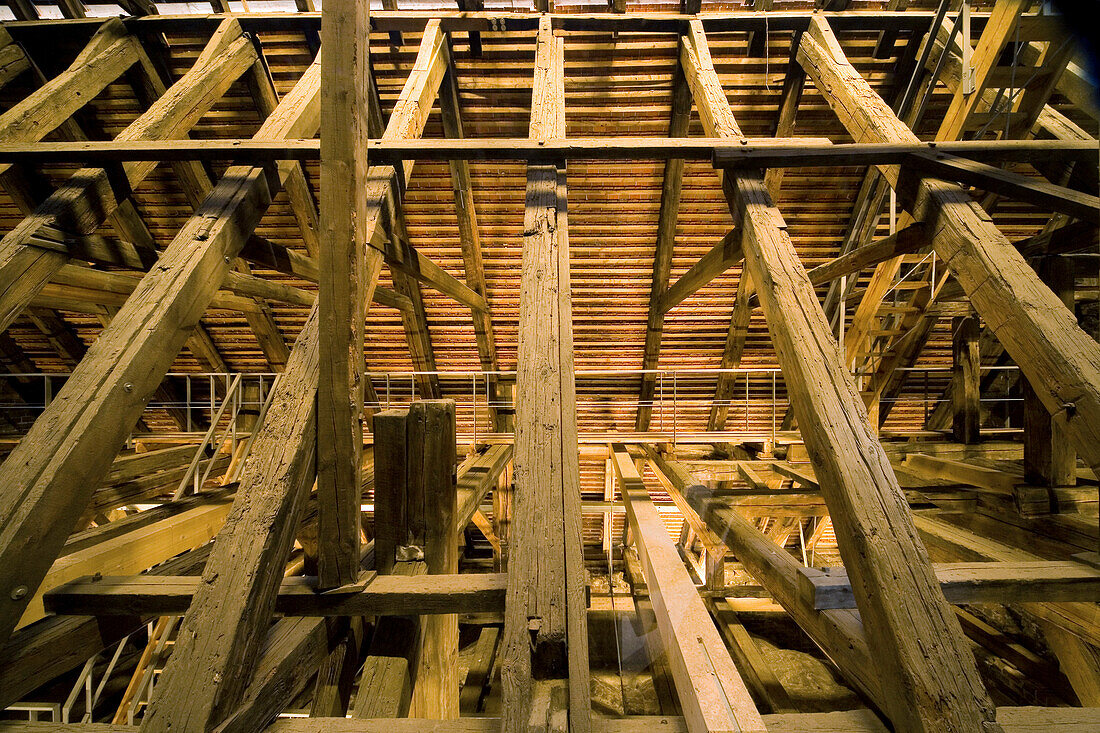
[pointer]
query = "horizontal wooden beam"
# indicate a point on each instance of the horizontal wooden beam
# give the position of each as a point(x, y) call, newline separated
point(754, 153)
point(495, 21)
point(1037, 191)
point(978, 582)
point(377, 596)
point(962, 472)
point(1012, 720)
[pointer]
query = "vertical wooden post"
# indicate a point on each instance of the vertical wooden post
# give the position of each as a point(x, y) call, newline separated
point(966, 407)
point(433, 492)
point(416, 498)
point(345, 33)
point(1049, 456)
point(545, 621)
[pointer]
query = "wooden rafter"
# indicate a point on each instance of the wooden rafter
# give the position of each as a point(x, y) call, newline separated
point(1034, 326)
point(128, 361)
point(469, 237)
point(671, 186)
point(894, 609)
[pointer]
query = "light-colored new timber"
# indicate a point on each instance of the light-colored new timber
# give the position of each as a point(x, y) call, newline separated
point(712, 694)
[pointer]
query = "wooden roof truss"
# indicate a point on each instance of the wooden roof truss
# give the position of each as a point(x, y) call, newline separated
point(256, 638)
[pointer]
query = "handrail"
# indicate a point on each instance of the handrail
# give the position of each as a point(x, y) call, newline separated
point(192, 469)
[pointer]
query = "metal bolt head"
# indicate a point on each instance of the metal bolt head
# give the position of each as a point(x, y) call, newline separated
point(226, 258)
point(19, 592)
point(128, 387)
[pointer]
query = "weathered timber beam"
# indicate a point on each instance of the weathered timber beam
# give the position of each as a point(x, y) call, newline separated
point(734, 349)
point(288, 660)
point(133, 551)
point(1072, 623)
point(478, 479)
point(839, 633)
point(240, 583)
point(981, 582)
point(414, 321)
point(348, 272)
point(545, 648)
point(298, 596)
point(1029, 320)
point(416, 505)
point(857, 480)
point(694, 647)
point(38, 653)
point(753, 153)
point(1036, 191)
point(13, 61)
point(720, 258)
point(85, 201)
point(107, 392)
point(469, 238)
point(109, 287)
point(963, 472)
point(109, 53)
point(400, 255)
point(967, 377)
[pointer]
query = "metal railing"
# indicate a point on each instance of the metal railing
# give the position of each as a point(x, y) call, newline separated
point(682, 401)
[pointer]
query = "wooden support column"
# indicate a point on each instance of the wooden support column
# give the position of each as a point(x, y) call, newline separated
point(1049, 457)
point(1036, 329)
point(415, 522)
point(696, 652)
point(432, 479)
point(545, 659)
point(345, 266)
point(51, 474)
point(967, 416)
point(927, 688)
